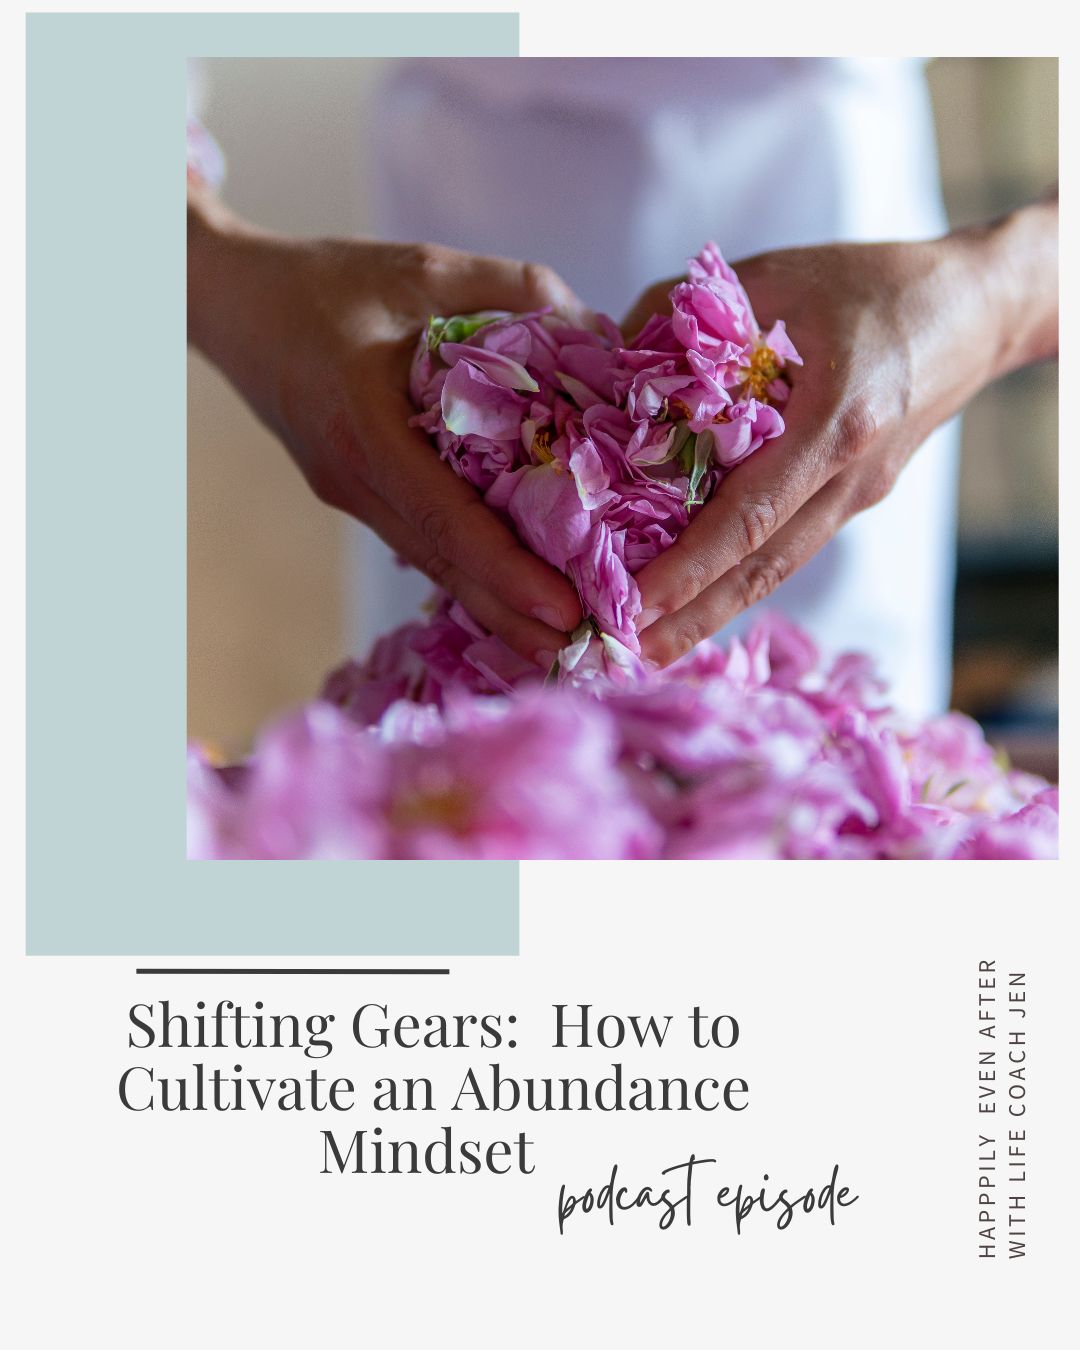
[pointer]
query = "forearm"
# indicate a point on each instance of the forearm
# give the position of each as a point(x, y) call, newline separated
point(968, 308)
point(1015, 266)
point(239, 300)
point(211, 231)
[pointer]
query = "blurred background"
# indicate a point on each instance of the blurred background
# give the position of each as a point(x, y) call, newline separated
point(268, 609)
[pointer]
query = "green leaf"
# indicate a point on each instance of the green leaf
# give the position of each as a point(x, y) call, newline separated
point(694, 459)
point(679, 442)
point(458, 327)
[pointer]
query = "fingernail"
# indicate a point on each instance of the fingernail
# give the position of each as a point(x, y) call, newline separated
point(550, 616)
point(647, 617)
point(545, 660)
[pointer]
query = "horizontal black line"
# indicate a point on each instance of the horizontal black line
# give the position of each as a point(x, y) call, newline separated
point(279, 970)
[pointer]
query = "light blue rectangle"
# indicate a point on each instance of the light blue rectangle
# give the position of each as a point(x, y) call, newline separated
point(106, 518)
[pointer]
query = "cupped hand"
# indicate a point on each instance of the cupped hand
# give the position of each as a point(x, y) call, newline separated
point(894, 339)
point(318, 337)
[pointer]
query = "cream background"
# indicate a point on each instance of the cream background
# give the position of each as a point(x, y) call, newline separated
point(858, 1041)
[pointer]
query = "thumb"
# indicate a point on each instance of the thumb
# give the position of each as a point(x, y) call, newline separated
point(504, 283)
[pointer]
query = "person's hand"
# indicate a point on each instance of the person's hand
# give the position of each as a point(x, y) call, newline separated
point(895, 339)
point(318, 336)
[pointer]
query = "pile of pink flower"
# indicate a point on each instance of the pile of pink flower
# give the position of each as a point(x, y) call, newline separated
point(445, 744)
point(596, 451)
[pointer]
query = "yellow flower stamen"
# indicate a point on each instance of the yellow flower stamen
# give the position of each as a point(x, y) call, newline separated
point(763, 369)
point(541, 445)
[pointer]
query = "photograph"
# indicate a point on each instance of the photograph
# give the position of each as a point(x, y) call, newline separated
point(622, 458)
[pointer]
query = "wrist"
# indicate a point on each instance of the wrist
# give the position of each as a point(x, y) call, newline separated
point(1013, 267)
point(210, 232)
point(226, 296)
